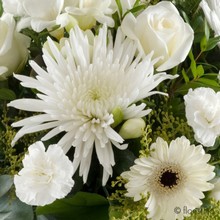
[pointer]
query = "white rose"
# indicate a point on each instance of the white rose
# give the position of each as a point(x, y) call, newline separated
point(161, 29)
point(13, 47)
point(46, 176)
point(202, 107)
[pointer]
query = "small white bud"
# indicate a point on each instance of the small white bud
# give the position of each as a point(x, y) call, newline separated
point(132, 128)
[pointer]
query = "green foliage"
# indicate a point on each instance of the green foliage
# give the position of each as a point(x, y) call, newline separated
point(11, 157)
point(211, 43)
point(13, 208)
point(6, 182)
point(212, 212)
point(86, 206)
point(7, 94)
point(128, 210)
point(124, 208)
point(1, 9)
point(145, 142)
point(123, 160)
point(118, 2)
point(165, 124)
point(189, 7)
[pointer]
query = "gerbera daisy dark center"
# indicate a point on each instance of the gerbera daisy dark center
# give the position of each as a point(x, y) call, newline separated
point(169, 178)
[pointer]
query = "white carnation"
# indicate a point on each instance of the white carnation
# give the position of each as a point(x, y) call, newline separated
point(203, 114)
point(46, 176)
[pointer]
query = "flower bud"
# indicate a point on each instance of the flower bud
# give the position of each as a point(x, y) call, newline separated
point(117, 116)
point(132, 128)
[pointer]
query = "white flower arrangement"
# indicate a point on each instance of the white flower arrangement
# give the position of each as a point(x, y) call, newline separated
point(109, 109)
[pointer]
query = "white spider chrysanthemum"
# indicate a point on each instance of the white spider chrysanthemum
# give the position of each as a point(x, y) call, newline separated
point(82, 85)
point(175, 176)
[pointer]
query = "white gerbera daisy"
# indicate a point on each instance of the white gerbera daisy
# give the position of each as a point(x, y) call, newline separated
point(81, 87)
point(46, 176)
point(174, 176)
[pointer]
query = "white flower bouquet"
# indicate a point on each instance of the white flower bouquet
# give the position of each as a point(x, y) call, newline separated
point(110, 109)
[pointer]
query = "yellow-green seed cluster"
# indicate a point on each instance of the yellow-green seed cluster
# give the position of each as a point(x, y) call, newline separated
point(167, 126)
point(210, 213)
point(11, 157)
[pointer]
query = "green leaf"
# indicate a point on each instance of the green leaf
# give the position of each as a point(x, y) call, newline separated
point(124, 159)
point(14, 209)
point(1, 9)
point(193, 68)
point(118, 2)
point(208, 82)
point(185, 77)
point(193, 64)
point(137, 2)
point(217, 170)
point(212, 42)
point(7, 94)
point(206, 29)
point(203, 44)
point(201, 82)
point(6, 182)
point(137, 9)
point(42, 217)
point(212, 76)
point(86, 206)
point(200, 71)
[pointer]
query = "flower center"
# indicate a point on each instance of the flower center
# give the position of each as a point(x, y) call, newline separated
point(94, 94)
point(169, 178)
